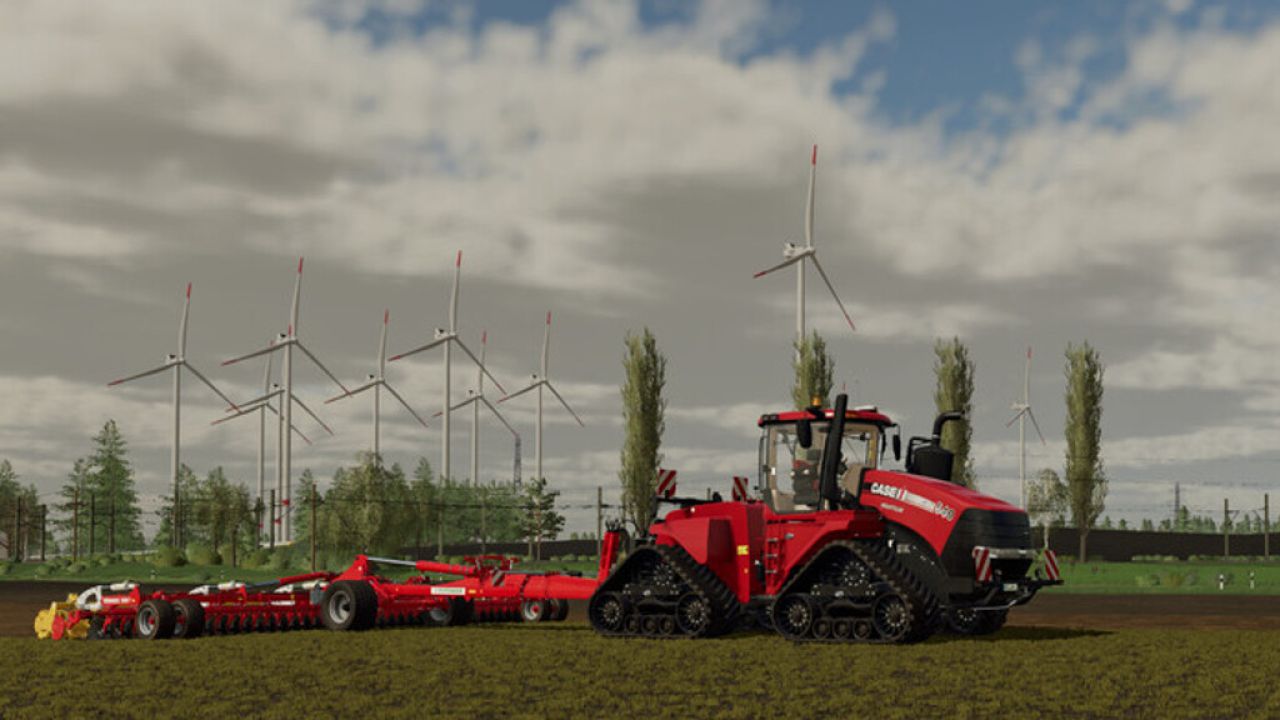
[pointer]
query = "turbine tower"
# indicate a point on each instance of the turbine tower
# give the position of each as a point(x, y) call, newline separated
point(1023, 412)
point(177, 363)
point(475, 398)
point(796, 255)
point(285, 344)
point(377, 383)
point(447, 338)
point(261, 406)
point(538, 382)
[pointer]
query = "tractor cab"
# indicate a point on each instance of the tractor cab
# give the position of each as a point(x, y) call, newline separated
point(791, 449)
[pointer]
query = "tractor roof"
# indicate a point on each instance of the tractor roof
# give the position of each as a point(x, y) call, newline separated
point(792, 416)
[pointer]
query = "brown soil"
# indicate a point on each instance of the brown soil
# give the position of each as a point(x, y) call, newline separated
point(21, 600)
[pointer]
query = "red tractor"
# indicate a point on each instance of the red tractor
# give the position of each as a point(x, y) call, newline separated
point(835, 549)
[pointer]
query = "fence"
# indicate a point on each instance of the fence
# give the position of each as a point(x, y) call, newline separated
point(1123, 545)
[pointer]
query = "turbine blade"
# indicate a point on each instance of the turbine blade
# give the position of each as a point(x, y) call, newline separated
point(296, 431)
point(832, 288)
point(497, 414)
point(417, 350)
point(520, 392)
point(268, 349)
point(246, 409)
point(1015, 417)
point(552, 388)
point(1035, 424)
point(297, 290)
point(152, 371)
point(382, 345)
point(808, 218)
point(458, 406)
point(406, 405)
point(182, 329)
point(779, 266)
point(354, 391)
point(210, 385)
point(320, 365)
point(476, 360)
point(261, 398)
point(312, 414)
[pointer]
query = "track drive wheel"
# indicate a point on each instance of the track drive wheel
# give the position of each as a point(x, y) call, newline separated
point(793, 616)
point(693, 614)
point(967, 621)
point(349, 605)
point(607, 612)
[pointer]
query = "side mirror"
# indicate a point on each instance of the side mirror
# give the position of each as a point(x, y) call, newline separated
point(804, 434)
point(897, 447)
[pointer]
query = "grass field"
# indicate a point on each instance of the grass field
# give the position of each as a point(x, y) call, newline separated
point(1169, 577)
point(565, 670)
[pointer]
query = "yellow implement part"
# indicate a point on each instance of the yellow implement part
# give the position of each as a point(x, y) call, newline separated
point(57, 612)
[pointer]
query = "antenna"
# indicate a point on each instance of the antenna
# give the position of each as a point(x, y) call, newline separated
point(538, 382)
point(176, 363)
point(796, 255)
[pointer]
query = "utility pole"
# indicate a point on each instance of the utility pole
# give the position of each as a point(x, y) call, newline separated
point(273, 520)
point(75, 525)
point(111, 543)
point(15, 542)
point(1266, 526)
point(1177, 505)
point(93, 524)
point(176, 519)
point(257, 518)
point(44, 529)
point(440, 529)
point(599, 520)
point(484, 547)
point(312, 529)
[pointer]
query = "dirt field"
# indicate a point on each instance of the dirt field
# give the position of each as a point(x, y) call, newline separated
point(20, 601)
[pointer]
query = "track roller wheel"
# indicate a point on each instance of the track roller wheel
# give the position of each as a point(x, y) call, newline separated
point(793, 616)
point(649, 624)
point(693, 614)
point(607, 612)
point(666, 625)
point(534, 611)
point(891, 617)
point(822, 628)
point(842, 629)
point(154, 620)
point(632, 624)
point(349, 605)
point(188, 619)
point(862, 629)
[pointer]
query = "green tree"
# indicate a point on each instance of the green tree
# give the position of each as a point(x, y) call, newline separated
point(1147, 525)
point(814, 369)
point(1047, 500)
point(643, 410)
point(541, 521)
point(75, 525)
point(954, 372)
point(18, 504)
point(1086, 480)
point(189, 489)
point(111, 480)
point(366, 508)
point(214, 509)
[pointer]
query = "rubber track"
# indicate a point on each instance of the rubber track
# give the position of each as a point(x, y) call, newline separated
point(921, 602)
point(698, 578)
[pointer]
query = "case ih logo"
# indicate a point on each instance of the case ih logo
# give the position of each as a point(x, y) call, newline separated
point(893, 492)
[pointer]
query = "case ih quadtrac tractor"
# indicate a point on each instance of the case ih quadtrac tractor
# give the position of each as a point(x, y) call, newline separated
point(835, 549)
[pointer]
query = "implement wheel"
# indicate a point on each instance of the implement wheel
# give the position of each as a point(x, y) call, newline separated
point(349, 605)
point(534, 611)
point(154, 621)
point(188, 619)
point(455, 612)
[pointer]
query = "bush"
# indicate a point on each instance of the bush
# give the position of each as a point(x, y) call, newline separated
point(1146, 581)
point(281, 559)
point(202, 555)
point(44, 570)
point(76, 568)
point(167, 557)
point(59, 563)
point(5, 567)
point(102, 561)
point(256, 559)
point(1172, 579)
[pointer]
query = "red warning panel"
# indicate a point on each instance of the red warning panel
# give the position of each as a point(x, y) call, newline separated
point(739, 488)
point(666, 483)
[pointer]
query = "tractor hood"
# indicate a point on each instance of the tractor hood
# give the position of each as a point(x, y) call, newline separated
point(929, 507)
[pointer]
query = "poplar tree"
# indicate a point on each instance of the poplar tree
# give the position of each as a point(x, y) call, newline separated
point(954, 371)
point(1086, 480)
point(643, 408)
point(814, 369)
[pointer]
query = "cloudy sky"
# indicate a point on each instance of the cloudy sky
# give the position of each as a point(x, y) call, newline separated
point(1015, 174)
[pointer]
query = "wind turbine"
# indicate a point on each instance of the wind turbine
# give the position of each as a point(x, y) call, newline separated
point(376, 383)
point(796, 255)
point(1023, 412)
point(475, 398)
point(447, 338)
point(538, 382)
point(177, 363)
point(285, 343)
point(261, 406)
